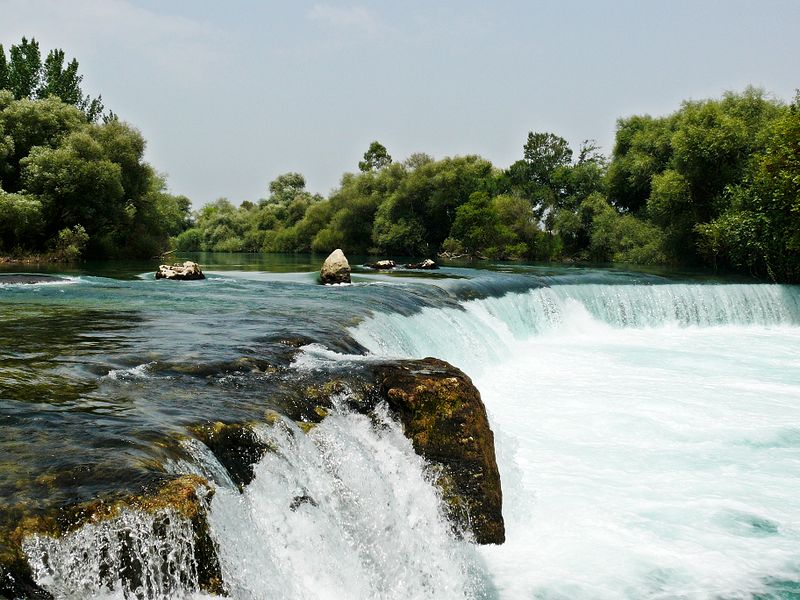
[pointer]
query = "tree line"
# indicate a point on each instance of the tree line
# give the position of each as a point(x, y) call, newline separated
point(716, 183)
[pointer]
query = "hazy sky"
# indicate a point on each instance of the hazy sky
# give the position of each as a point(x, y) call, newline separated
point(231, 94)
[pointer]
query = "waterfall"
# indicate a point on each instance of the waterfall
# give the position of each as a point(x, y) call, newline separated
point(647, 438)
point(485, 331)
point(345, 511)
point(134, 555)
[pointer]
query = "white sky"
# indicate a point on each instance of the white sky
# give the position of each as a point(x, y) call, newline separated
point(231, 94)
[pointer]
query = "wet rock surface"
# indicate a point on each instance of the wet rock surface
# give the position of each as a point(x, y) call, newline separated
point(381, 265)
point(438, 406)
point(16, 278)
point(236, 445)
point(186, 497)
point(425, 265)
point(444, 416)
point(187, 271)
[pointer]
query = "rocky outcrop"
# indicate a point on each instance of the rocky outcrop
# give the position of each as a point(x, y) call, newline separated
point(426, 264)
point(187, 271)
point(381, 265)
point(186, 497)
point(443, 415)
point(236, 446)
point(335, 269)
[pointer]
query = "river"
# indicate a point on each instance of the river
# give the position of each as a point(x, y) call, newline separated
point(647, 427)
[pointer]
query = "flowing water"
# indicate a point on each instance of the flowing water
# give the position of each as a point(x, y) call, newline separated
point(647, 430)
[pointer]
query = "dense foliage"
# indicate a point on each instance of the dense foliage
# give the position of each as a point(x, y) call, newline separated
point(716, 183)
point(67, 183)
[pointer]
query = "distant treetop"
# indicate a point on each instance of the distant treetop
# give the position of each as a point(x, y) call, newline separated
point(375, 158)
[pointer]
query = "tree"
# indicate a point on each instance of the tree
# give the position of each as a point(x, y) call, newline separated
point(24, 70)
point(3, 69)
point(65, 82)
point(540, 175)
point(28, 124)
point(375, 158)
point(285, 187)
point(760, 230)
point(643, 148)
point(77, 184)
point(27, 77)
point(544, 153)
point(477, 226)
point(20, 221)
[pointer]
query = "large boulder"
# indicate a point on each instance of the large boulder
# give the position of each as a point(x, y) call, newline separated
point(443, 415)
point(335, 269)
point(187, 271)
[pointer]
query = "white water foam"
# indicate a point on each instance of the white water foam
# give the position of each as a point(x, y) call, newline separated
point(648, 438)
point(135, 555)
point(345, 511)
point(138, 372)
point(485, 332)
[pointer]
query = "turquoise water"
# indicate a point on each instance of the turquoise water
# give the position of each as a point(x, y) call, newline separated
point(647, 425)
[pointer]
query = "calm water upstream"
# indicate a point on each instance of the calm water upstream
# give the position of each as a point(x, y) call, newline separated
point(647, 426)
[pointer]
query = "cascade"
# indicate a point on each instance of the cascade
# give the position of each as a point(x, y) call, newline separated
point(484, 331)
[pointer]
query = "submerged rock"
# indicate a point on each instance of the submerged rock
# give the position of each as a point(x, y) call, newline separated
point(426, 264)
point(187, 271)
point(16, 278)
point(335, 269)
point(381, 265)
point(184, 499)
point(444, 416)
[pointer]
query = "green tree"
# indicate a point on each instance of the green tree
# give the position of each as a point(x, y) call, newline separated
point(542, 173)
point(24, 69)
point(477, 226)
point(375, 158)
point(58, 79)
point(286, 187)
point(28, 124)
point(20, 222)
point(76, 183)
point(26, 76)
point(760, 230)
point(4, 83)
point(642, 149)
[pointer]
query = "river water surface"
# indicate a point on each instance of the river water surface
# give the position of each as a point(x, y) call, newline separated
point(647, 427)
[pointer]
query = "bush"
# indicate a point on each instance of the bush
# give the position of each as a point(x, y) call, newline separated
point(70, 243)
point(189, 241)
point(20, 221)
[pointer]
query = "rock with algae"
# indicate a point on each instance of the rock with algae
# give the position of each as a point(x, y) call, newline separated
point(183, 498)
point(237, 447)
point(443, 415)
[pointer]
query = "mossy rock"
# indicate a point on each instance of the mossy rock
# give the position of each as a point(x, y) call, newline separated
point(187, 495)
point(236, 445)
point(442, 413)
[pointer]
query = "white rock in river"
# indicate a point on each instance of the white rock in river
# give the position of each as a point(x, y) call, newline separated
point(335, 269)
point(187, 270)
